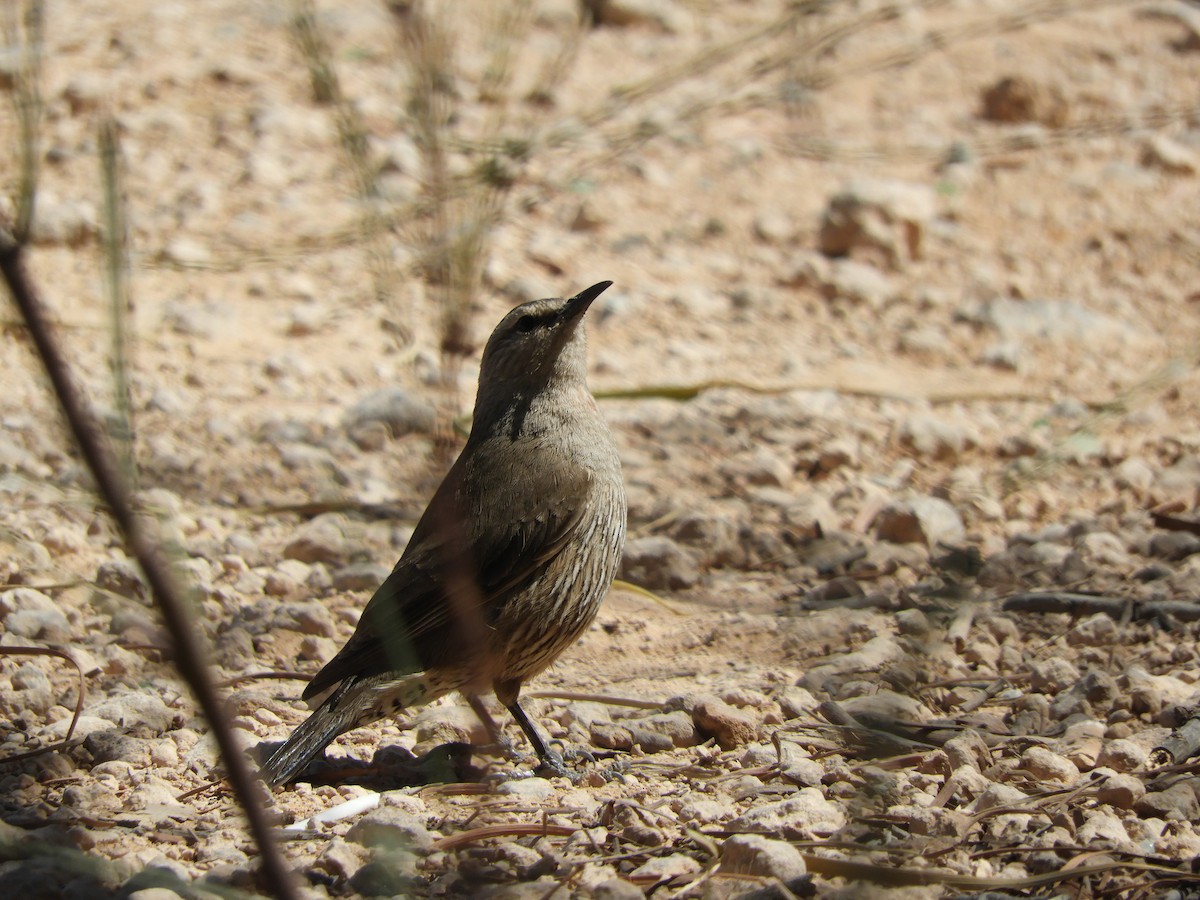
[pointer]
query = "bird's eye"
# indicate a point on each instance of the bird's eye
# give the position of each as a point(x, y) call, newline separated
point(526, 324)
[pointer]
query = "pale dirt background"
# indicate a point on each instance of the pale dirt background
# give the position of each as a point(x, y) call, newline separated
point(1026, 386)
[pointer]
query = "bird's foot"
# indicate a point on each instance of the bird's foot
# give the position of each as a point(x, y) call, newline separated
point(505, 747)
point(565, 765)
point(613, 772)
point(553, 765)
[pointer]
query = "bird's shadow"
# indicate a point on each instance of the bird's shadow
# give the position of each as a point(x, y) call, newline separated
point(393, 767)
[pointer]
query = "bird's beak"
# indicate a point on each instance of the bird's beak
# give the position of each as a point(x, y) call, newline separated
point(578, 304)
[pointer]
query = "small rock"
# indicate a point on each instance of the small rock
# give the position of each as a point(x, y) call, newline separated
point(665, 15)
point(678, 728)
point(929, 338)
point(186, 252)
point(796, 702)
point(340, 859)
point(1019, 99)
point(1052, 675)
point(1122, 755)
point(886, 215)
point(584, 713)
point(360, 576)
point(1162, 152)
point(154, 893)
point(1121, 790)
point(649, 741)
point(195, 319)
point(968, 749)
point(307, 618)
point(1049, 766)
point(1097, 630)
point(804, 816)
point(113, 745)
point(934, 437)
point(703, 809)
point(753, 854)
point(804, 772)
point(808, 269)
point(730, 726)
point(320, 540)
point(1181, 477)
point(305, 320)
point(383, 878)
point(617, 889)
point(1176, 803)
point(1174, 546)
point(715, 537)
point(925, 520)
point(774, 227)
point(85, 725)
point(609, 736)
point(30, 678)
point(663, 868)
point(656, 562)
point(397, 408)
point(997, 795)
point(70, 223)
point(527, 788)
point(48, 625)
point(1048, 321)
point(1135, 473)
point(391, 827)
point(931, 821)
point(1103, 828)
point(121, 577)
point(759, 467)
point(136, 708)
point(1007, 354)
point(279, 585)
point(1103, 548)
point(85, 92)
point(858, 282)
point(1081, 743)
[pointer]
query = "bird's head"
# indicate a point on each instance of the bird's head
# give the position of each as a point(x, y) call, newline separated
point(537, 343)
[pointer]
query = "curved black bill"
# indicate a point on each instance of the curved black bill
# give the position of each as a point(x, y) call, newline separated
point(578, 304)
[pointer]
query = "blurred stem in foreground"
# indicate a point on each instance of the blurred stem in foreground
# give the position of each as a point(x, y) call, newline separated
point(189, 653)
point(352, 137)
point(116, 263)
point(23, 33)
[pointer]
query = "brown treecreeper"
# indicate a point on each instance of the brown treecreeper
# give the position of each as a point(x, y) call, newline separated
point(510, 561)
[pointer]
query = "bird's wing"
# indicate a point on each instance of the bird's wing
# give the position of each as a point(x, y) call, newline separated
point(457, 573)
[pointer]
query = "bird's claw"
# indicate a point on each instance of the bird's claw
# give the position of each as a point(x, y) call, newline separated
point(613, 772)
point(575, 754)
point(506, 747)
point(552, 765)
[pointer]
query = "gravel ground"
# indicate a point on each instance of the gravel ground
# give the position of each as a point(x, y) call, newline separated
point(899, 358)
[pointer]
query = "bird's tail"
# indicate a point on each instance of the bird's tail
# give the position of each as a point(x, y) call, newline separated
point(336, 714)
point(352, 703)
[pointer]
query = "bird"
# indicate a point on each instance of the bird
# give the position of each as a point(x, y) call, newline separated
point(511, 559)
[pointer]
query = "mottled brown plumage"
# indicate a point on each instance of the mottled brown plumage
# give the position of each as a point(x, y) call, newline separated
point(511, 559)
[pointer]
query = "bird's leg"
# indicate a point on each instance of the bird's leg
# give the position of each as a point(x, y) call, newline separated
point(551, 760)
point(508, 692)
point(547, 755)
point(489, 724)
